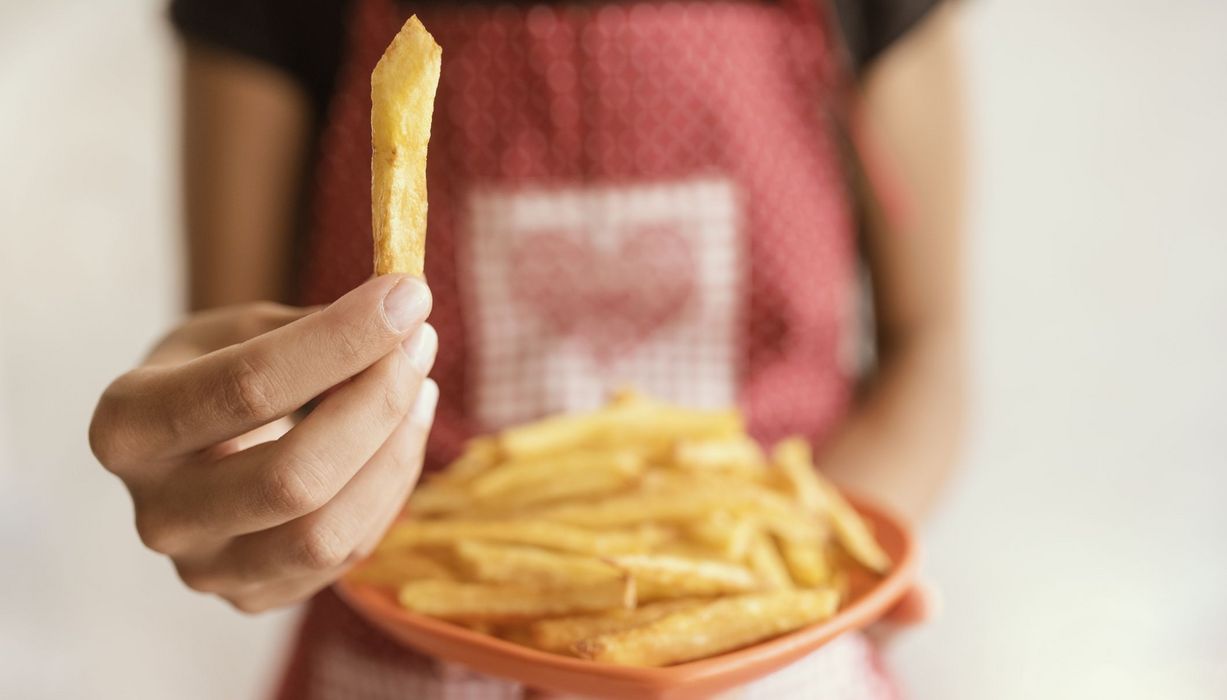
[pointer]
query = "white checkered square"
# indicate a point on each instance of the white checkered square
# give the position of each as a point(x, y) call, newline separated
point(576, 291)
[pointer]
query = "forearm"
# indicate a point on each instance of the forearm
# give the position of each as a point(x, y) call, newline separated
point(900, 442)
point(246, 134)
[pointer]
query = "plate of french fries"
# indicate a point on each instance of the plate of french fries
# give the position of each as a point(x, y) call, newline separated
point(640, 550)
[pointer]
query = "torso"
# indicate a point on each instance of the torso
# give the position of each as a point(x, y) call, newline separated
point(633, 193)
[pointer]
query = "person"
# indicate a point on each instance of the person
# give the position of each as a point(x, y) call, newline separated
point(705, 200)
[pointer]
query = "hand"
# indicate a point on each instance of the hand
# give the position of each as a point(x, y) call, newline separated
point(248, 505)
point(920, 604)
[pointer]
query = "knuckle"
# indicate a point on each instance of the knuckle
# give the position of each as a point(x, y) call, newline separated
point(154, 532)
point(199, 580)
point(322, 549)
point(351, 337)
point(106, 426)
point(288, 493)
point(246, 605)
point(395, 399)
point(249, 391)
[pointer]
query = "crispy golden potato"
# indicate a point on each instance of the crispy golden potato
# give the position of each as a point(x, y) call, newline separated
point(818, 495)
point(765, 560)
point(710, 629)
point(726, 533)
point(661, 576)
point(539, 533)
point(402, 104)
point(532, 566)
point(560, 635)
point(639, 534)
point(737, 454)
point(503, 603)
point(394, 571)
point(807, 564)
point(646, 425)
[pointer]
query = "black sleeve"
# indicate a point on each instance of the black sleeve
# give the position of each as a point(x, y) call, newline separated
point(304, 38)
point(871, 26)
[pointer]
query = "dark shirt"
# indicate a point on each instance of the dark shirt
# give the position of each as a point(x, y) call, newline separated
point(305, 38)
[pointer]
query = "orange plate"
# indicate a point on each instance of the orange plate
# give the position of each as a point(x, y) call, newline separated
point(697, 679)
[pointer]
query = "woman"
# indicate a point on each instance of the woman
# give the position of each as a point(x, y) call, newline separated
point(620, 192)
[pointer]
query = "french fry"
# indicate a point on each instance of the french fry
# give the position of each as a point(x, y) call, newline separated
point(710, 629)
point(737, 455)
point(728, 534)
point(583, 485)
point(479, 455)
point(817, 495)
point(648, 425)
point(794, 458)
point(806, 563)
point(661, 576)
point(531, 566)
point(438, 496)
point(534, 474)
point(560, 635)
point(394, 570)
point(402, 102)
point(539, 533)
point(765, 560)
point(503, 603)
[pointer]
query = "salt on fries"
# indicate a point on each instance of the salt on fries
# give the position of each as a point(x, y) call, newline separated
point(639, 534)
point(402, 102)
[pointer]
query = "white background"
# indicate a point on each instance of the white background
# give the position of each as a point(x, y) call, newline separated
point(1081, 549)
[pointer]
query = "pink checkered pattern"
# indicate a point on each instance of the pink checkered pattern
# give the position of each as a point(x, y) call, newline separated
point(636, 192)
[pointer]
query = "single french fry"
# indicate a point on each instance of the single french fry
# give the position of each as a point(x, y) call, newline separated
point(818, 495)
point(728, 534)
point(539, 533)
point(582, 485)
point(438, 496)
point(532, 474)
point(394, 569)
point(766, 562)
point(661, 576)
point(854, 535)
point(632, 423)
point(630, 509)
point(794, 458)
point(402, 103)
point(736, 454)
point(479, 455)
point(807, 564)
point(713, 628)
point(503, 603)
point(560, 635)
point(531, 566)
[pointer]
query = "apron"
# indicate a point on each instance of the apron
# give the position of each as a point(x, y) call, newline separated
point(621, 193)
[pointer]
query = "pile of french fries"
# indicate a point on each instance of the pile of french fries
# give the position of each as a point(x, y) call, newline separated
point(640, 534)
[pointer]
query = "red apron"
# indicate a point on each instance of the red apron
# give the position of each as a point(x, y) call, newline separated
point(633, 193)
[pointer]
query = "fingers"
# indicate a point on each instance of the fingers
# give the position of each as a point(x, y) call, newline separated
point(919, 605)
point(274, 483)
point(216, 328)
point(157, 412)
point(276, 566)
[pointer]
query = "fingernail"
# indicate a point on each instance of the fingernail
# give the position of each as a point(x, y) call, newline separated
point(407, 303)
point(423, 412)
point(421, 348)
